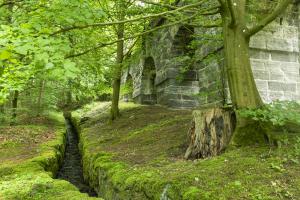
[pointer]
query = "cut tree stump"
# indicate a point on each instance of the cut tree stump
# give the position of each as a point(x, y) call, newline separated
point(210, 132)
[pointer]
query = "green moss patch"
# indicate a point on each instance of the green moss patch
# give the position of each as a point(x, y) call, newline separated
point(140, 156)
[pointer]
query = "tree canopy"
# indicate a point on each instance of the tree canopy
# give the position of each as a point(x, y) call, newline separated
point(79, 46)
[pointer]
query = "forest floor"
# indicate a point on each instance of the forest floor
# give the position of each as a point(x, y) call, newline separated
point(29, 157)
point(144, 150)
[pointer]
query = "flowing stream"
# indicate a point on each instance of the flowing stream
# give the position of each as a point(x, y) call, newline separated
point(71, 169)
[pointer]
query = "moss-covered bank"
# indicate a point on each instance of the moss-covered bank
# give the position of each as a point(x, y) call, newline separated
point(139, 156)
point(29, 163)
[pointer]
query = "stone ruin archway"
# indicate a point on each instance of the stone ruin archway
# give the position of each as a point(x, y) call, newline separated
point(181, 86)
point(127, 89)
point(182, 53)
point(148, 82)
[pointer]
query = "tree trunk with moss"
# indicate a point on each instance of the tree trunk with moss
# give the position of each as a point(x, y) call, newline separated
point(115, 112)
point(243, 90)
point(242, 86)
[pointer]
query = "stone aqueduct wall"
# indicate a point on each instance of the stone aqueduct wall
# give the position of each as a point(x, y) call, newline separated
point(275, 62)
point(157, 77)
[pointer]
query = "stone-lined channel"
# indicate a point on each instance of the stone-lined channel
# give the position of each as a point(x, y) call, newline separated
point(71, 169)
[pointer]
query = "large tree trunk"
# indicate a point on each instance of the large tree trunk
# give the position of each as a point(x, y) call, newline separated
point(117, 81)
point(243, 90)
point(210, 132)
point(117, 74)
point(115, 98)
point(242, 86)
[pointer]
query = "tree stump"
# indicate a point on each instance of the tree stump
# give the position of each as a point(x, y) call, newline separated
point(210, 132)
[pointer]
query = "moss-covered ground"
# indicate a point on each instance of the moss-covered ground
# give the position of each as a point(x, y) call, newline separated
point(29, 158)
point(142, 153)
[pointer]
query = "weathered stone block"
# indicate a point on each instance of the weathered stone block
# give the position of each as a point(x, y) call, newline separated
point(189, 90)
point(172, 90)
point(189, 83)
point(284, 56)
point(189, 104)
point(273, 30)
point(261, 84)
point(161, 76)
point(181, 104)
point(290, 67)
point(296, 45)
point(277, 76)
point(259, 54)
point(266, 32)
point(276, 95)
point(189, 97)
point(257, 64)
point(290, 32)
point(277, 32)
point(261, 74)
point(150, 99)
point(287, 95)
point(258, 43)
point(172, 73)
point(281, 86)
point(296, 97)
point(273, 66)
point(275, 44)
point(291, 77)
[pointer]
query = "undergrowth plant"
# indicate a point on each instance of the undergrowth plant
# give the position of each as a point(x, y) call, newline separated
point(278, 113)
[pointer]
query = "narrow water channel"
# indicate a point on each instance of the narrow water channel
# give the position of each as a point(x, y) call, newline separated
point(71, 169)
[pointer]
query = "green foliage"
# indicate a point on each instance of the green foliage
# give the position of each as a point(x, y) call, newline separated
point(30, 53)
point(278, 113)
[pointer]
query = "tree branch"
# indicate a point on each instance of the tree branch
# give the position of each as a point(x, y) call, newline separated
point(281, 7)
point(217, 50)
point(127, 54)
point(100, 45)
point(213, 12)
point(170, 7)
point(128, 20)
point(217, 25)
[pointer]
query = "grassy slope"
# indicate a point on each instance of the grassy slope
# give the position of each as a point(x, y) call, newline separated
point(143, 150)
point(26, 151)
